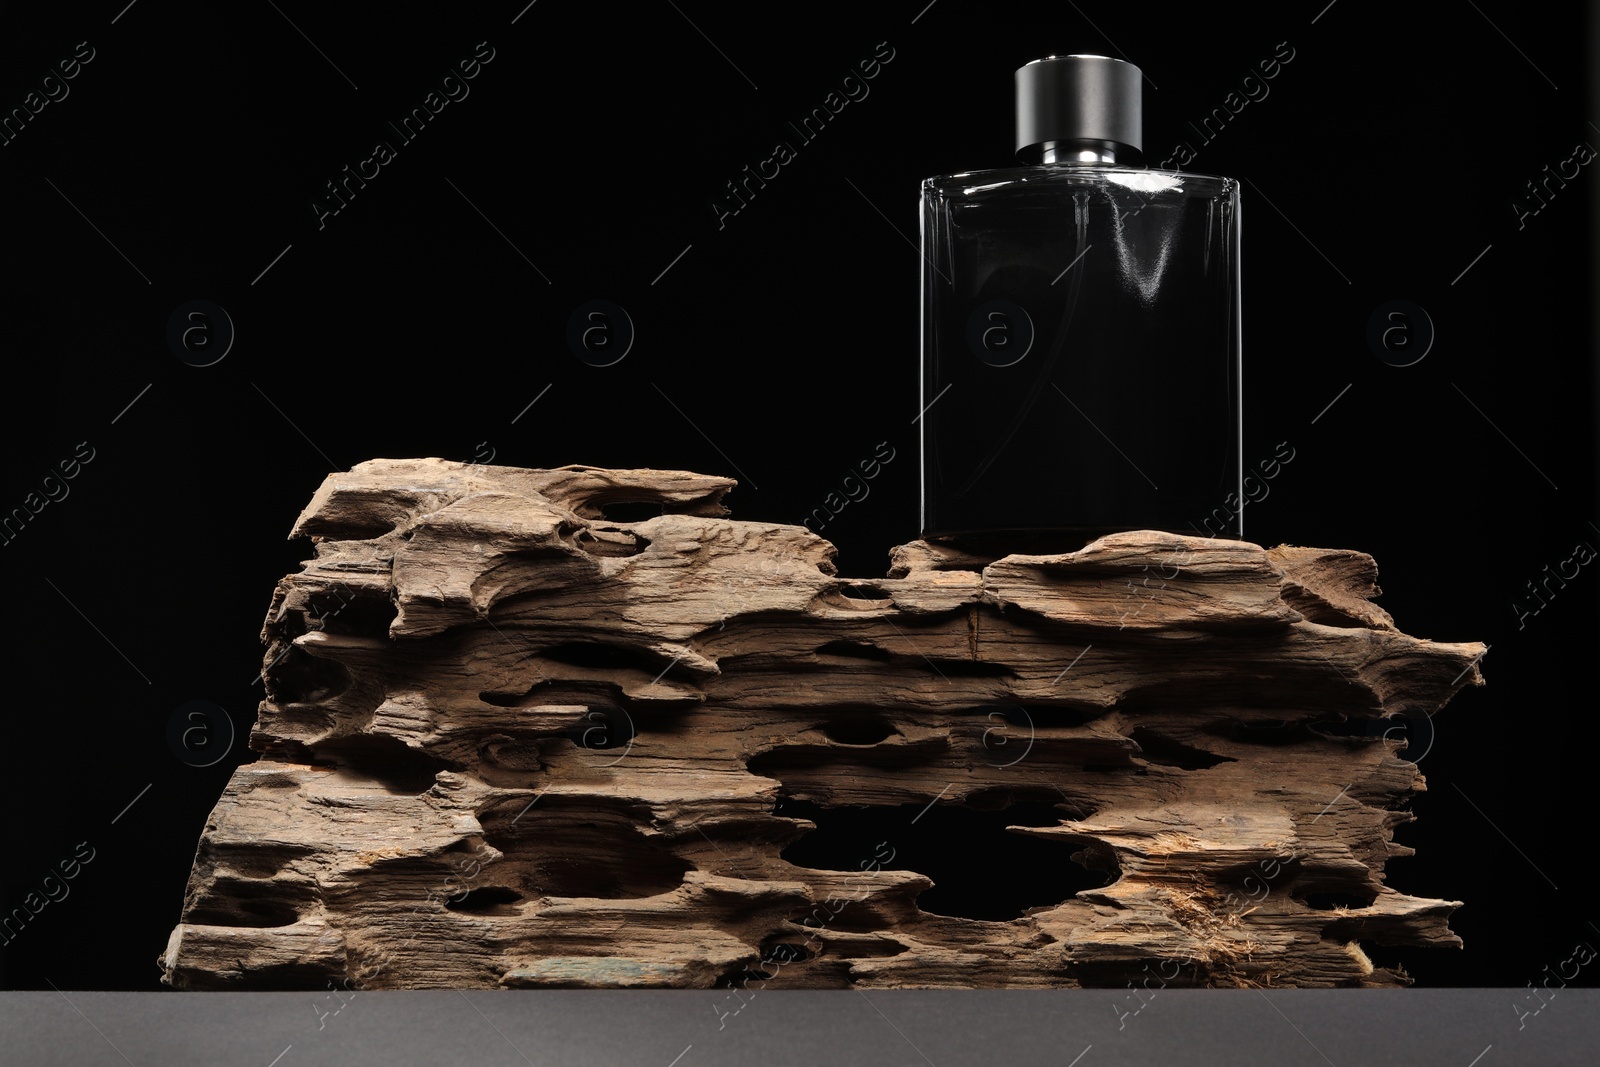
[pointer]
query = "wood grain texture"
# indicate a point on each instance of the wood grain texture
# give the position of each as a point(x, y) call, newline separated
point(509, 742)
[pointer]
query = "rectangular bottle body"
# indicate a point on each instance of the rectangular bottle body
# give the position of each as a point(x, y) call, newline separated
point(1080, 352)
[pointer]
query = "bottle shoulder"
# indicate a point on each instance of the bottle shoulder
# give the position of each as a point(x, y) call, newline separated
point(1063, 176)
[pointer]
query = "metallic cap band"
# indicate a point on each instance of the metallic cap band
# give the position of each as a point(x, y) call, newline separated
point(1079, 98)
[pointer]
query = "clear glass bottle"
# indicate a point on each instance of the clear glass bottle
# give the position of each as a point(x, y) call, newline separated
point(1080, 331)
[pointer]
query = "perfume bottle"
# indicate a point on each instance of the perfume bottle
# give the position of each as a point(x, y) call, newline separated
point(1080, 331)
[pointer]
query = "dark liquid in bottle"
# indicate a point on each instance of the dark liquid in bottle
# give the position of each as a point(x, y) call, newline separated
point(1080, 338)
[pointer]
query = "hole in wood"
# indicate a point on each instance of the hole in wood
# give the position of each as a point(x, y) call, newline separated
point(598, 655)
point(855, 598)
point(1388, 958)
point(601, 851)
point(999, 798)
point(859, 730)
point(814, 760)
point(979, 870)
point(277, 781)
point(610, 543)
point(1269, 732)
point(345, 611)
point(784, 952)
point(1169, 752)
point(851, 948)
point(630, 510)
point(386, 760)
point(1019, 717)
point(486, 900)
point(1348, 726)
point(1328, 900)
point(604, 727)
point(1410, 728)
point(301, 678)
point(252, 904)
point(973, 668)
point(856, 650)
point(741, 976)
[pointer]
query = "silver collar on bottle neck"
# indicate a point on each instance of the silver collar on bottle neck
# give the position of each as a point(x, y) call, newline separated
point(1083, 152)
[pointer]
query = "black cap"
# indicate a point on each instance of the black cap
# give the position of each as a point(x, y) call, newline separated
point(1079, 98)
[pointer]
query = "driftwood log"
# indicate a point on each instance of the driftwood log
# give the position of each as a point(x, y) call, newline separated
point(509, 741)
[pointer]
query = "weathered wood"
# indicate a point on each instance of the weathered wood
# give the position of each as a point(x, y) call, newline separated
point(507, 742)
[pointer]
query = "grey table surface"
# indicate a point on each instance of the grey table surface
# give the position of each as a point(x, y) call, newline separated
point(694, 1028)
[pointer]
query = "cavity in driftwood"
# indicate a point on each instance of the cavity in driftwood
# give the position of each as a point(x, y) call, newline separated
point(509, 742)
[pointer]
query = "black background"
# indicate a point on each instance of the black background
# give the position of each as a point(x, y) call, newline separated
point(779, 349)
